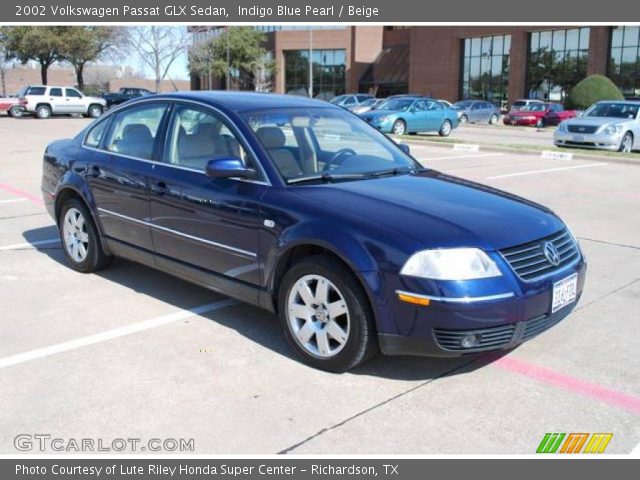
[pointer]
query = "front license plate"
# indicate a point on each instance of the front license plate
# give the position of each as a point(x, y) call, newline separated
point(577, 138)
point(564, 292)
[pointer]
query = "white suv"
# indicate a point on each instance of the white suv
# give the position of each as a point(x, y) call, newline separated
point(44, 101)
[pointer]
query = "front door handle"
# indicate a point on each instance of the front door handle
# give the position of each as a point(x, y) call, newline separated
point(159, 188)
point(94, 171)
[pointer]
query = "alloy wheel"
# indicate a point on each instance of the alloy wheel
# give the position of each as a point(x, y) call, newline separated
point(399, 128)
point(318, 316)
point(75, 235)
point(627, 143)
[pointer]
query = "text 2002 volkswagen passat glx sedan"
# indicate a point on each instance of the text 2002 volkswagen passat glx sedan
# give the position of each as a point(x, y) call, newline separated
point(301, 208)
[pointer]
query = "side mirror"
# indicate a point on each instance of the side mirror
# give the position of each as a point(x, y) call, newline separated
point(228, 167)
point(405, 148)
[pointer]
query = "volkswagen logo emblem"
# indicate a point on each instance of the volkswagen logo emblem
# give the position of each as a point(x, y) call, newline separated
point(551, 253)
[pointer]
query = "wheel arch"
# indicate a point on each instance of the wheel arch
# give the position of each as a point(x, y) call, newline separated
point(75, 189)
point(305, 247)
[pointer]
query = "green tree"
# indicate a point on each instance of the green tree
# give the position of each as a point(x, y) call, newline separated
point(248, 59)
point(83, 45)
point(593, 89)
point(41, 44)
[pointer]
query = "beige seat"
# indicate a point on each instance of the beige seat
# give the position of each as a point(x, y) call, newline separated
point(273, 140)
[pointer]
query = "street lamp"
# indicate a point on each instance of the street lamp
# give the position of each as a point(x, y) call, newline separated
point(310, 62)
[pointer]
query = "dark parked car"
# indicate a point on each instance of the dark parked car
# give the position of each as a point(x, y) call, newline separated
point(301, 208)
point(125, 94)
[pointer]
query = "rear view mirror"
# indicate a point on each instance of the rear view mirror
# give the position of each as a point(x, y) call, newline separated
point(228, 167)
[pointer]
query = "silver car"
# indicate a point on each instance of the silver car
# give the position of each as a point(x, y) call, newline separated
point(609, 125)
point(476, 111)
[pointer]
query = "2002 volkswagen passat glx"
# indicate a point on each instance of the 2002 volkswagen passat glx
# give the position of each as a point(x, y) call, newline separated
point(301, 208)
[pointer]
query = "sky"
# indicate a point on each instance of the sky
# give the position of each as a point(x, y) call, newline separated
point(178, 70)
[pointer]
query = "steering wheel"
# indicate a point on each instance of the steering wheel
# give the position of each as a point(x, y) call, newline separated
point(336, 156)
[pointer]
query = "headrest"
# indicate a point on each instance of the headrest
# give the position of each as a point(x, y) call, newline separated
point(271, 137)
point(137, 130)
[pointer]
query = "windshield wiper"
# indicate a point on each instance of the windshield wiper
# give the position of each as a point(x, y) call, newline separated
point(391, 171)
point(327, 177)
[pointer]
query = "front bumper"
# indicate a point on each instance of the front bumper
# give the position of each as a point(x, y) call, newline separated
point(519, 121)
point(601, 141)
point(436, 330)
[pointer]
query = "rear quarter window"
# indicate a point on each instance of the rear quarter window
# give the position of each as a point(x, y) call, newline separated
point(36, 91)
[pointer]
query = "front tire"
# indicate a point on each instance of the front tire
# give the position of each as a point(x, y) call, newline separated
point(79, 237)
point(463, 119)
point(540, 123)
point(399, 127)
point(493, 119)
point(95, 111)
point(326, 315)
point(445, 129)
point(626, 145)
point(15, 112)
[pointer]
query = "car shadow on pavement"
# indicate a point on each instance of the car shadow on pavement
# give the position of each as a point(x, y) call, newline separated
point(253, 323)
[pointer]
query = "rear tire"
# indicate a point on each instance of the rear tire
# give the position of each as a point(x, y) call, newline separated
point(540, 123)
point(445, 129)
point(80, 239)
point(463, 119)
point(43, 111)
point(326, 315)
point(493, 119)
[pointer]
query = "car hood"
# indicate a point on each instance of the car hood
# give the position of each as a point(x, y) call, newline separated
point(439, 210)
point(596, 121)
point(378, 113)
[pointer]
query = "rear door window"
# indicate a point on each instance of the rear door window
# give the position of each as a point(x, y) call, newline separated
point(55, 92)
point(134, 131)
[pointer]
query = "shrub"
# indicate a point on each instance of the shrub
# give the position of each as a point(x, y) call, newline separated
point(592, 89)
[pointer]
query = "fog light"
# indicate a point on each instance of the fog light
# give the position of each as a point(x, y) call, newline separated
point(470, 340)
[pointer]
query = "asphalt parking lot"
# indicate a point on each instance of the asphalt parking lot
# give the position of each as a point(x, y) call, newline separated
point(132, 352)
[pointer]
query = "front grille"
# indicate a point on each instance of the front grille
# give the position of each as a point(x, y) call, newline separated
point(496, 338)
point(537, 325)
point(491, 338)
point(529, 261)
point(582, 128)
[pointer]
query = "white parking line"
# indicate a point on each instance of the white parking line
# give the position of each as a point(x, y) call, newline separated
point(533, 172)
point(636, 451)
point(114, 333)
point(20, 246)
point(13, 200)
point(479, 155)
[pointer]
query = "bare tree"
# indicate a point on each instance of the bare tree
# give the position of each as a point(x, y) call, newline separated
point(158, 47)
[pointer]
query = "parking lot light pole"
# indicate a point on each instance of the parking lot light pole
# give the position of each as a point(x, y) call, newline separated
point(310, 62)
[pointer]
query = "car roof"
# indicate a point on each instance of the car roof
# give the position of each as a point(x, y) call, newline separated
point(246, 101)
point(627, 102)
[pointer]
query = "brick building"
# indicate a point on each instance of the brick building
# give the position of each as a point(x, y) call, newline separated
point(498, 63)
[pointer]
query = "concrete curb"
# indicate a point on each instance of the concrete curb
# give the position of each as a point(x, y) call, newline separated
point(537, 153)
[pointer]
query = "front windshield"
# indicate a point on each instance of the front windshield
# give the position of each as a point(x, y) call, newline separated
point(613, 110)
point(398, 104)
point(461, 105)
point(326, 143)
point(338, 99)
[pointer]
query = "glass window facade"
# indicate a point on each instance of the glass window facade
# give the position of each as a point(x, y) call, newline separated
point(485, 68)
point(329, 68)
point(624, 60)
point(557, 61)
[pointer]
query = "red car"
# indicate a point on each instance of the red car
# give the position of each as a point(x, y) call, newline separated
point(539, 115)
point(11, 106)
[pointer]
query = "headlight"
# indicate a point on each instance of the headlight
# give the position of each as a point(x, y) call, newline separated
point(562, 127)
point(450, 264)
point(613, 129)
point(383, 118)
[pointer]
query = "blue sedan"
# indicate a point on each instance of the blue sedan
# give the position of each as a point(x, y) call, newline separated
point(404, 115)
point(301, 208)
